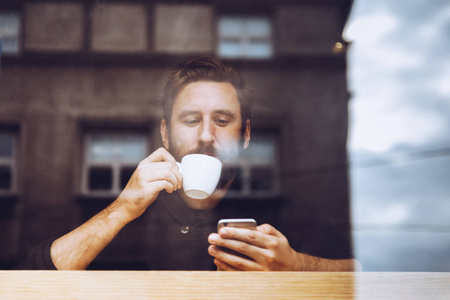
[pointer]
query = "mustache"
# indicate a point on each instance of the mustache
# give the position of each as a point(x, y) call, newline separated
point(207, 149)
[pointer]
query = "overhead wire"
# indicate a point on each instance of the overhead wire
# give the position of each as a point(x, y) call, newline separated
point(386, 160)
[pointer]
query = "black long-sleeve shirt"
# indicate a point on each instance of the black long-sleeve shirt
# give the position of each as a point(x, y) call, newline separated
point(172, 236)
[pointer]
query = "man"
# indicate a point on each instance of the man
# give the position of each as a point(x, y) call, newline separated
point(206, 110)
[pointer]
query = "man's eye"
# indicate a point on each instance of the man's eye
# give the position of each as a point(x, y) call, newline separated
point(190, 122)
point(222, 122)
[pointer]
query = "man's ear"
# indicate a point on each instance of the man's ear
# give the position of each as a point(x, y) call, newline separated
point(247, 131)
point(165, 134)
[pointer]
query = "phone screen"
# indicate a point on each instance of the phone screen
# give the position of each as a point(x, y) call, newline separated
point(238, 223)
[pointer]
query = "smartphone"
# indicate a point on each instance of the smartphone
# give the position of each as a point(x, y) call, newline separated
point(238, 223)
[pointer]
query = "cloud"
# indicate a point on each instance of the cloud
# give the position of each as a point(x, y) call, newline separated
point(402, 191)
point(398, 74)
point(399, 71)
point(380, 124)
point(400, 214)
point(370, 29)
point(442, 84)
point(401, 251)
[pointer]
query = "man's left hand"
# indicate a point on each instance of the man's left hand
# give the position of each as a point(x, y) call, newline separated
point(266, 248)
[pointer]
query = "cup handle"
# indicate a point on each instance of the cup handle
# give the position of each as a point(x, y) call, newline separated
point(179, 167)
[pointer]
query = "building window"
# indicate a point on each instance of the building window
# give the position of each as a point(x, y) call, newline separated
point(7, 162)
point(110, 160)
point(244, 37)
point(258, 168)
point(9, 32)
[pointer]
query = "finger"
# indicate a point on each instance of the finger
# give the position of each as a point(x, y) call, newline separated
point(162, 185)
point(237, 247)
point(161, 171)
point(176, 171)
point(248, 236)
point(223, 266)
point(159, 155)
point(231, 260)
point(162, 155)
point(269, 229)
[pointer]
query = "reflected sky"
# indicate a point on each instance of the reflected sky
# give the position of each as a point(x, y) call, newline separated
point(399, 141)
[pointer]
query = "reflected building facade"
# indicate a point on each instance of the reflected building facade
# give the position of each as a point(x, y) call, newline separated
point(79, 106)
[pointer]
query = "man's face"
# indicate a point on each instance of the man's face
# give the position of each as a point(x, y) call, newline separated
point(206, 118)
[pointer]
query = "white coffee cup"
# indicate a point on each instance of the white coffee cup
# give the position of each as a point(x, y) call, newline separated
point(201, 173)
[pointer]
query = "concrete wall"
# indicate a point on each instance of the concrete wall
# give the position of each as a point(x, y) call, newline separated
point(184, 29)
point(54, 26)
point(307, 28)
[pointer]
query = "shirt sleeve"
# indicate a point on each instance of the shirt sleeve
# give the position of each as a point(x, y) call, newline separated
point(39, 257)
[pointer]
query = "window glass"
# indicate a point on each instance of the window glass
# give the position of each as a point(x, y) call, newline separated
point(258, 27)
point(7, 161)
point(244, 37)
point(262, 147)
point(230, 49)
point(132, 148)
point(9, 32)
point(111, 158)
point(259, 49)
point(229, 26)
point(100, 178)
point(258, 167)
point(5, 177)
point(125, 175)
point(6, 145)
point(101, 148)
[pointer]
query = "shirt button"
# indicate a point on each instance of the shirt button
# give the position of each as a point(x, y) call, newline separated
point(184, 229)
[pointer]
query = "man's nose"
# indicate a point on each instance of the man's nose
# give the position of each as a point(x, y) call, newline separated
point(207, 134)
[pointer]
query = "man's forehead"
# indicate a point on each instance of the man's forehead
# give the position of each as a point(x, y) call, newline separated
point(207, 95)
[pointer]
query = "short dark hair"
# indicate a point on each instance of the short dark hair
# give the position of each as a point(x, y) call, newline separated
point(205, 69)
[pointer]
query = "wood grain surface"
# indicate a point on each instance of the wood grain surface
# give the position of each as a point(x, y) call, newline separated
point(221, 285)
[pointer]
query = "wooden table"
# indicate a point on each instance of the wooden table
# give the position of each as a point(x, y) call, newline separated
point(221, 285)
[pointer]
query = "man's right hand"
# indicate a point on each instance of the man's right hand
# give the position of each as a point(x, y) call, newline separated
point(76, 249)
point(155, 173)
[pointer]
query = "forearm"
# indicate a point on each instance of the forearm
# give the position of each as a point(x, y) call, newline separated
point(77, 249)
point(312, 263)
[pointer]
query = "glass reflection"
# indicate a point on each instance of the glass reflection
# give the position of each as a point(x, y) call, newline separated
point(9, 32)
point(6, 145)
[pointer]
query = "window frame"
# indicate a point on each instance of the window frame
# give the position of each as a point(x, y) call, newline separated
point(247, 165)
point(11, 162)
point(245, 39)
point(18, 35)
point(116, 165)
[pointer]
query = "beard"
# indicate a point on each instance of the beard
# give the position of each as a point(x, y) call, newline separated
point(227, 157)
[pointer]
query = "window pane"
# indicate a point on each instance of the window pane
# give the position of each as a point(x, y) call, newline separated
point(100, 178)
point(9, 32)
point(9, 45)
point(245, 37)
point(5, 177)
point(262, 179)
point(230, 49)
point(262, 148)
point(258, 27)
point(101, 148)
point(132, 148)
point(259, 49)
point(229, 26)
point(125, 175)
point(6, 145)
